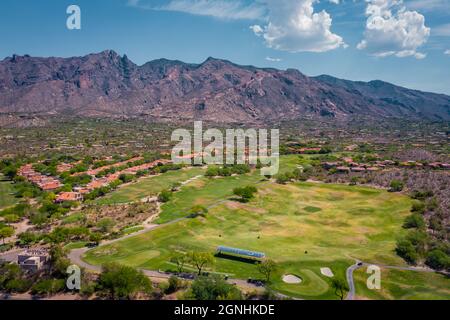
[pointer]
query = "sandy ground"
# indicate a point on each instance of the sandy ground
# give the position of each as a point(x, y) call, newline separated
point(291, 279)
point(27, 296)
point(19, 228)
point(327, 272)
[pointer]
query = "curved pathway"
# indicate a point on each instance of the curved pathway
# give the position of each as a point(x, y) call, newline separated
point(351, 284)
point(359, 264)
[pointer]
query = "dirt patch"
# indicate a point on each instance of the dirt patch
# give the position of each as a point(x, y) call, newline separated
point(233, 205)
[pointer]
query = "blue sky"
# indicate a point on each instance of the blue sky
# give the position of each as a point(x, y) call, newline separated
point(403, 42)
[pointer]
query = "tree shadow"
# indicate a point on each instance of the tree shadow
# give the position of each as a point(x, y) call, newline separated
point(236, 258)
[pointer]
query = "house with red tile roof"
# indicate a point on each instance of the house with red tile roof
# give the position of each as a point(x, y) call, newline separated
point(69, 196)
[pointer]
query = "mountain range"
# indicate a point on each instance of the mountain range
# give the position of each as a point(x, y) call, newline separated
point(106, 84)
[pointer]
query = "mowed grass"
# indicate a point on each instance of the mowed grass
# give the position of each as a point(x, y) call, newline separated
point(404, 285)
point(302, 226)
point(149, 186)
point(7, 198)
point(211, 191)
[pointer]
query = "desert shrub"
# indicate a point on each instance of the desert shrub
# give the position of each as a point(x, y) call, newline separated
point(164, 196)
point(407, 251)
point(414, 221)
point(396, 186)
point(213, 288)
point(48, 286)
point(123, 282)
point(245, 193)
point(438, 260)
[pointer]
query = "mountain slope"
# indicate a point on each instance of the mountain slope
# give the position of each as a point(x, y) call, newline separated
point(424, 104)
point(106, 84)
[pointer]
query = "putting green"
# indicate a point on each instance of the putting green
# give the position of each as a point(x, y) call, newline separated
point(353, 222)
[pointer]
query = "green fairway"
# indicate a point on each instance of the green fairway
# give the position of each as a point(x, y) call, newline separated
point(149, 186)
point(302, 226)
point(205, 192)
point(7, 199)
point(209, 191)
point(404, 285)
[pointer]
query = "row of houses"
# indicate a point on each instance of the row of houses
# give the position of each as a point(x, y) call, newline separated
point(348, 165)
point(63, 167)
point(78, 192)
point(46, 183)
point(49, 183)
point(94, 172)
point(432, 165)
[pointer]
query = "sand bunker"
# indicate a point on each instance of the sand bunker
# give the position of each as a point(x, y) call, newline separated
point(327, 272)
point(291, 279)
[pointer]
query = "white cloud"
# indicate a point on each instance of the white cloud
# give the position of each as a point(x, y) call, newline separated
point(294, 26)
point(393, 30)
point(334, 1)
point(273, 59)
point(257, 30)
point(447, 52)
point(223, 9)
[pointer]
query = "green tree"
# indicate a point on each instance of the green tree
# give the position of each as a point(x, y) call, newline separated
point(58, 261)
point(164, 196)
point(396, 186)
point(198, 210)
point(105, 225)
point(11, 218)
point(340, 287)
point(245, 193)
point(9, 272)
point(266, 268)
point(282, 178)
point(201, 260)
point(180, 260)
point(414, 221)
point(123, 282)
point(212, 171)
point(407, 251)
point(418, 207)
point(174, 285)
point(48, 286)
point(438, 260)
point(126, 177)
point(6, 232)
point(213, 288)
point(95, 237)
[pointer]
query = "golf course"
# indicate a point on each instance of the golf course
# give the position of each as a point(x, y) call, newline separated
point(304, 227)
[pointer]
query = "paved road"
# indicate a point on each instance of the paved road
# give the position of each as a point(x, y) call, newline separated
point(351, 284)
point(359, 264)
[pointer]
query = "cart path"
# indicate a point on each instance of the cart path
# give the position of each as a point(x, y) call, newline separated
point(359, 264)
